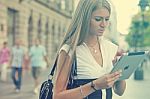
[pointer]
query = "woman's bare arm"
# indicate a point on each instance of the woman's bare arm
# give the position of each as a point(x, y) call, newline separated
point(62, 74)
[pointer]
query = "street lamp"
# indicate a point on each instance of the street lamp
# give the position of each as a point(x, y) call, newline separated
point(143, 4)
point(138, 75)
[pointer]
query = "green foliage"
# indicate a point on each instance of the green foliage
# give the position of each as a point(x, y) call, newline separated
point(147, 37)
point(129, 39)
point(139, 32)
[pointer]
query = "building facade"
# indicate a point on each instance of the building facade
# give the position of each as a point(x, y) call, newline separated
point(29, 19)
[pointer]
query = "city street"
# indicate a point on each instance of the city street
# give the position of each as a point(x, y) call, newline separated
point(135, 89)
point(7, 90)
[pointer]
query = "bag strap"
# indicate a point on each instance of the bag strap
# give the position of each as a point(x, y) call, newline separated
point(73, 69)
point(74, 66)
point(54, 67)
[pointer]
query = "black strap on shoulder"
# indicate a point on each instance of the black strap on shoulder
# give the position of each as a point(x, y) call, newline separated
point(75, 65)
point(54, 66)
point(73, 70)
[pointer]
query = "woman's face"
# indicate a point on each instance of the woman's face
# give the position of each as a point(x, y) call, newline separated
point(98, 22)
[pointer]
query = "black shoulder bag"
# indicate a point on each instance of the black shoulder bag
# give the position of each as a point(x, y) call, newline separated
point(47, 86)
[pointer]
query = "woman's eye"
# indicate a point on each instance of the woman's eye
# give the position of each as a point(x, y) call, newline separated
point(106, 19)
point(101, 19)
point(98, 19)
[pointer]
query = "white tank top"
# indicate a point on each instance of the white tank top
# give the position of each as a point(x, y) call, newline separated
point(87, 67)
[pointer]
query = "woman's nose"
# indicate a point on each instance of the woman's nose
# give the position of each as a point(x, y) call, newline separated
point(103, 23)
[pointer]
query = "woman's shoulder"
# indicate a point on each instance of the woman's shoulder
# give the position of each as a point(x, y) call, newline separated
point(111, 47)
point(66, 48)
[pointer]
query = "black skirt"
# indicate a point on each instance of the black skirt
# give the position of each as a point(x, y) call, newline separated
point(96, 95)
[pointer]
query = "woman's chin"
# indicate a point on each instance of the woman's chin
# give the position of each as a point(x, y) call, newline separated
point(100, 34)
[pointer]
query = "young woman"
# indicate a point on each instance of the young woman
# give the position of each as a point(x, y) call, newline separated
point(94, 55)
point(4, 61)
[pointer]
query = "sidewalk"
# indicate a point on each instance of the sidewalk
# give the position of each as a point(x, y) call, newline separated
point(7, 90)
point(137, 89)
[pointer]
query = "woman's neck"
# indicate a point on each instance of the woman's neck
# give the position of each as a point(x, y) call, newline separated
point(91, 40)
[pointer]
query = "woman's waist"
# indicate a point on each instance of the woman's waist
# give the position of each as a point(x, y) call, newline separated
point(78, 82)
point(82, 81)
point(88, 76)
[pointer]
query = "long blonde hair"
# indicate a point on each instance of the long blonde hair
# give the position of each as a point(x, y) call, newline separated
point(79, 27)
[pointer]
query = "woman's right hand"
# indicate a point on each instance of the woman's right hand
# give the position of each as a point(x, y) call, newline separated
point(107, 81)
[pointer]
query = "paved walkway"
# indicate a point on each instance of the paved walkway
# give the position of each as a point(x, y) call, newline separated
point(137, 89)
point(7, 89)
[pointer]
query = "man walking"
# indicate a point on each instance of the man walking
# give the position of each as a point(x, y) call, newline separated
point(37, 56)
point(17, 58)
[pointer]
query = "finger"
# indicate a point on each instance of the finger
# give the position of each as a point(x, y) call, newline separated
point(116, 73)
point(116, 78)
point(110, 84)
point(113, 77)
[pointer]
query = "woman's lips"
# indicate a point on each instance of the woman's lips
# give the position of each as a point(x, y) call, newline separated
point(100, 31)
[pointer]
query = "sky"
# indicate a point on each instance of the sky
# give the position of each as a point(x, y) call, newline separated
point(125, 9)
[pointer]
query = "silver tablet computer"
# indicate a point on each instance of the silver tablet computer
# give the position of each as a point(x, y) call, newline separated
point(128, 63)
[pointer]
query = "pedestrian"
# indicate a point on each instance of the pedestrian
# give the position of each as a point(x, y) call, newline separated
point(4, 61)
point(94, 54)
point(37, 56)
point(16, 63)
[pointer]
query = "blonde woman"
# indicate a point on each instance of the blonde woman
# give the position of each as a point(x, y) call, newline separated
point(94, 55)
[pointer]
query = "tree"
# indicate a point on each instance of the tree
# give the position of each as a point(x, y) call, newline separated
point(139, 31)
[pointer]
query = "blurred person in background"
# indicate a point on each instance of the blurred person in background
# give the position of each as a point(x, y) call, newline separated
point(37, 56)
point(4, 61)
point(16, 64)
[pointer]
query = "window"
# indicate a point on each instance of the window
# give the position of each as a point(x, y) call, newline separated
point(59, 32)
point(53, 38)
point(46, 35)
point(39, 28)
point(30, 29)
point(12, 25)
point(2, 27)
point(53, 31)
point(63, 5)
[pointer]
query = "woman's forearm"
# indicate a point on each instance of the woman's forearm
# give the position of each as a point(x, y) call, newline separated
point(76, 93)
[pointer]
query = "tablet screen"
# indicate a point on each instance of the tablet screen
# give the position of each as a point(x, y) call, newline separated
point(128, 63)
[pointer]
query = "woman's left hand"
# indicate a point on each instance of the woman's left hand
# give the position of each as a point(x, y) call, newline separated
point(119, 87)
